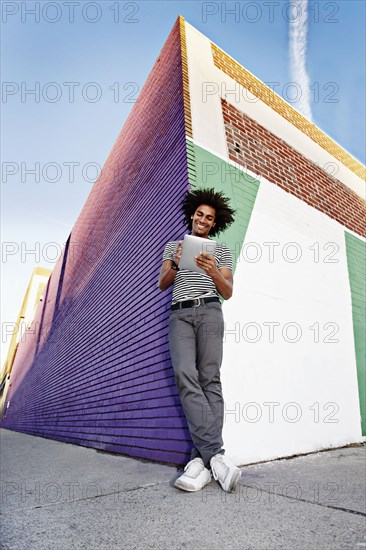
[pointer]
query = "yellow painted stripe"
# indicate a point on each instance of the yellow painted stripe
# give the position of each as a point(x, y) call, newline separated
point(186, 96)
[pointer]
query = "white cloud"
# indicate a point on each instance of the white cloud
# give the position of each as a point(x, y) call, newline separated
point(298, 47)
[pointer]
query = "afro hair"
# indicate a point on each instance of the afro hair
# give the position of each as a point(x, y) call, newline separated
point(224, 214)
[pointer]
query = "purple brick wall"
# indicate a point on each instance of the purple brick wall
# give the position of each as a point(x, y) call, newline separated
point(95, 367)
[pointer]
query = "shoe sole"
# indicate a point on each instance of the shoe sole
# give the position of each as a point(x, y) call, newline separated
point(234, 481)
point(189, 488)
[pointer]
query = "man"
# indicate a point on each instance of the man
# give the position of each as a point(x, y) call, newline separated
point(196, 330)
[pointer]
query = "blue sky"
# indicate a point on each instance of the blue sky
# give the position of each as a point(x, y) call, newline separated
point(115, 53)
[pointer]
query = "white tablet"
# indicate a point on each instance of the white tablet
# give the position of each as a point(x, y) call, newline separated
point(191, 247)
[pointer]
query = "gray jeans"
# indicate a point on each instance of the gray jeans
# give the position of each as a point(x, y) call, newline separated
point(195, 340)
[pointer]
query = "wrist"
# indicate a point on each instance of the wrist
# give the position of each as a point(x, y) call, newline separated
point(175, 266)
point(215, 275)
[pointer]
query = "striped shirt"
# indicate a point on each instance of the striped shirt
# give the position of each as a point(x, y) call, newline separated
point(190, 284)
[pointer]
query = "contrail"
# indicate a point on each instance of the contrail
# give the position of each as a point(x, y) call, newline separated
point(298, 46)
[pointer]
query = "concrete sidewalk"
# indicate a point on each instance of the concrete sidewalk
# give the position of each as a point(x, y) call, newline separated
point(60, 496)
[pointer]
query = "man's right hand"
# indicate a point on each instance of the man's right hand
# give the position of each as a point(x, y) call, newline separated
point(178, 253)
point(167, 273)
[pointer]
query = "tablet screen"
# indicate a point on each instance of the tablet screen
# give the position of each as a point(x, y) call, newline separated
point(191, 247)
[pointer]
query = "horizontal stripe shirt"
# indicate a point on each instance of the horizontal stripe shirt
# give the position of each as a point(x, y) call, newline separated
point(190, 284)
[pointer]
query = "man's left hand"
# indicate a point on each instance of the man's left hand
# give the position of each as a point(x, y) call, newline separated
point(207, 262)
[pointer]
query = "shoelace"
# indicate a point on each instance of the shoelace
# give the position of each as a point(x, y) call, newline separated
point(219, 468)
point(194, 467)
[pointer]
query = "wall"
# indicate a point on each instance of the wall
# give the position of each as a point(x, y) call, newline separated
point(101, 376)
point(95, 369)
point(293, 371)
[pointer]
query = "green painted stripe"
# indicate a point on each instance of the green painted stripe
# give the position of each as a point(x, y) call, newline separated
point(208, 170)
point(356, 260)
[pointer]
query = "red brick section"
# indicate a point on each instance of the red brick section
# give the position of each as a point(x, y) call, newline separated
point(254, 147)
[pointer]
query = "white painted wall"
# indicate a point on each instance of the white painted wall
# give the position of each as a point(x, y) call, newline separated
point(207, 123)
point(304, 372)
point(319, 377)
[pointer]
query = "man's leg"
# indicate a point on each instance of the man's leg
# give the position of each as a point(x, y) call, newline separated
point(209, 356)
point(203, 427)
point(210, 331)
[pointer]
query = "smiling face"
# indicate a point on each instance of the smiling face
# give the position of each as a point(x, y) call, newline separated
point(203, 220)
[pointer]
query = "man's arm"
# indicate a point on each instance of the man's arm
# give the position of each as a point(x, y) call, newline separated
point(222, 278)
point(223, 281)
point(167, 274)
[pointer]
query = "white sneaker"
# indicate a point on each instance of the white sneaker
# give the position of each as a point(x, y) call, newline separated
point(195, 476)
point(224, 471)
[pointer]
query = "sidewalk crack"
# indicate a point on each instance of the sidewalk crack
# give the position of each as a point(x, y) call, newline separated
point(340, 508)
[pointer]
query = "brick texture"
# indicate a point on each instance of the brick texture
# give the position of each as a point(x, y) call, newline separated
point(95, 367)
point(252, 146)
point(241, 75)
